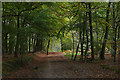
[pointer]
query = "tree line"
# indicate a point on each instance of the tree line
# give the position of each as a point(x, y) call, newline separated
point(29, 26)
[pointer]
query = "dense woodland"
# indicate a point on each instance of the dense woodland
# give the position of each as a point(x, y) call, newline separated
point(28, 27)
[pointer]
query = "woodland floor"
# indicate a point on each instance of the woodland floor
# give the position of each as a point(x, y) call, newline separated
point(59, 66)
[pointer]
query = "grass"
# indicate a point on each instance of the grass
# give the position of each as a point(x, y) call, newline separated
point(70, 55)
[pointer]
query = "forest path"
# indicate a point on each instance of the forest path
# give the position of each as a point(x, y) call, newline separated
point(61, 67)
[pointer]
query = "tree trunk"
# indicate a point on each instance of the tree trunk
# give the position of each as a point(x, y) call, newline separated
point(34, 45)
point(115, 32)
point(32, 40)
point(106, 34)
point(41, 45)
point(86, 36)
point(3, 35)
point(37, 43)
point(11, 44)
point(96, 27)
point(3, 44)
point(61, 45)
point(6, 35)
point(48, 46)
point(6, 45)
point(118, 12)
point(73, 46)
point(91, 32)
point(119, 32)
point(22, 47)
point(17, 40)
point(29, 43)
point(76, 52)
point(78, 45)
point(82, 40)
point(86, 46)
point(118, 39)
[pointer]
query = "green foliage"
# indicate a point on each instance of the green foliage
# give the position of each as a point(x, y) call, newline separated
point(97, 48)
point(112, 52)
point(69, 56)
point(44, 22)
point(88, 53)
point(67, 44)
point(41, 21)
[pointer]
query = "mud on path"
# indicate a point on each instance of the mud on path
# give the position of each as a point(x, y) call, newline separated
point(61, 67)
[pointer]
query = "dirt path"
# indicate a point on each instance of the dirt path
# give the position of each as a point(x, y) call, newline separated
point(61, 67)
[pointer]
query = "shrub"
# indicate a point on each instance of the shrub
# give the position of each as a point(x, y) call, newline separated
point(25, 60)
point(68, 51)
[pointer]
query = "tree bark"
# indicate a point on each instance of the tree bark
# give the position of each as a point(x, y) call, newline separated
point(118, 12)
point(76, 52)
point(41, 45)
point(11, 44)
point(3, 44)
point(6, 44)
point(17, 40)
point(118, 39)
point(115, 32)
point(119, 32)
point(86, 36)
point(78, 46)
point(29, 43)
point(61, 44)
point(82, 40)
point(48, 44)
point(34, 45)
point(106, 34)
point(73, 46)
point(91, 32)
point(37, 44)
point(86, 45)
point(6, 35)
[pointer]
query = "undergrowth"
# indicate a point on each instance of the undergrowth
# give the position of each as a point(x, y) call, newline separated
point(14, 64)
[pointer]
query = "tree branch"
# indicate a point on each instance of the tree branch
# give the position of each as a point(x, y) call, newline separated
point(28, 9)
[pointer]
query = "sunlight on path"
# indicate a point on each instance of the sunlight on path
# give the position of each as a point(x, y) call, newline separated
point(51, 54)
